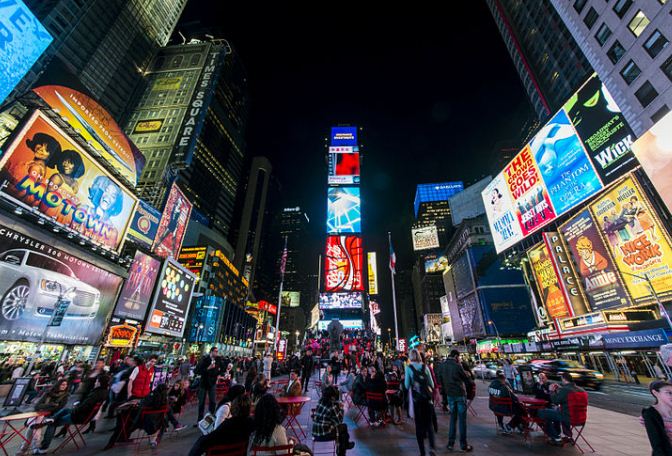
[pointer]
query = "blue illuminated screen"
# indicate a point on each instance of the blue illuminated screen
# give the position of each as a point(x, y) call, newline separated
point(344, 210)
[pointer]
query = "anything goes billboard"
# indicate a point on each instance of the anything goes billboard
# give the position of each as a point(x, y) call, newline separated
point(344, 264)
point(137, 291)
point(344, 213)
point(43, 170)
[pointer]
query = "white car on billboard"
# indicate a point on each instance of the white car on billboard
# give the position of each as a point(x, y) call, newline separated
point(32, 283)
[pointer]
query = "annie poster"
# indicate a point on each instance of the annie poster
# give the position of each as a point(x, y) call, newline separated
point(635, 239)
point(44, 170)
point(173, 224)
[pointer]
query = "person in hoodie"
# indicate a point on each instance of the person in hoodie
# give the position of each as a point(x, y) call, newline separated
point(500, 389)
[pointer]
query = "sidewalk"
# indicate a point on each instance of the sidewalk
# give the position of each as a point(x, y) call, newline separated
point(610, 433)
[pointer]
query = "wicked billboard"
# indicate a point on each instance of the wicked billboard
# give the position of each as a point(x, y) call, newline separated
point(44, 170)
point(38, 280)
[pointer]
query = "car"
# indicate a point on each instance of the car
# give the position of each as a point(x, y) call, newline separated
point(582, 376)
point(485, 370)
point(32, 283)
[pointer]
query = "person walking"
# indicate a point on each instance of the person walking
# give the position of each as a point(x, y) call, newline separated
point(455, 382)
point(268, 365)
point(418, 380)
point(209, 369)
point(307, 367)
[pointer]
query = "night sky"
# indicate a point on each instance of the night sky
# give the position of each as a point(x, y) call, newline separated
point(433, 91)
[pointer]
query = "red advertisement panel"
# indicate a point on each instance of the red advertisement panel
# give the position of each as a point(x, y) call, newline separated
point(344, 262)
point(173, 224)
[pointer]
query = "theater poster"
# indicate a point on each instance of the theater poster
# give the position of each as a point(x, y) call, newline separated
point(173, 224)
point(547, 282)
point(636, 240)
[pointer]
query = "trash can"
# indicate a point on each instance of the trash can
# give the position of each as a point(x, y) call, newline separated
point(526, 378)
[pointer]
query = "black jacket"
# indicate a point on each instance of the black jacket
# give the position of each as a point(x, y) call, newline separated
point(234, 430)
point(307, 365)
point(655, 429)
point(208, 376)
point(452, 378)
point(83, 410)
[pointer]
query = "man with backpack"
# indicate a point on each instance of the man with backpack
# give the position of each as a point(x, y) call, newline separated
point(419, 383)
point(455, 383)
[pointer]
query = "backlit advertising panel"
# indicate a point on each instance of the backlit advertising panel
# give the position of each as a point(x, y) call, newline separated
point(344, 264)
point(344, 210)
point(36, 279)
point(564, 269)
point(137, 291)
point(347, 324)
point(343, 136)
point(340, 301)
point(206, 314)
point(43, 170)
point(193, 258)
point(144, 224)
point(291, 298)
point(171, 300)
point(173, 224)
point(602, 129)
point(373, 273)
point(470, 315)
point(499, 209)
point(599, 277)
point(426, 237)
point(343, 168)
point(24, 39)
point(547, 282)
point(374, 311)
point(432, 323)
point(654, 152)
point(438, 264)
point(97, 127)
point(636, 240)
point(564, 166)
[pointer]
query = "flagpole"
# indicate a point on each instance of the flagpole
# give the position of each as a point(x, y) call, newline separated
point(283, 264)
point(394, 295)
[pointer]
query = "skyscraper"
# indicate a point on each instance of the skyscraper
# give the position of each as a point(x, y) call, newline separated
point(106, 44)
point(431, 207)
point(549, 61)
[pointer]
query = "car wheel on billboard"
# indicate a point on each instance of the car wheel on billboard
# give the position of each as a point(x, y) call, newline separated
point(14, 301)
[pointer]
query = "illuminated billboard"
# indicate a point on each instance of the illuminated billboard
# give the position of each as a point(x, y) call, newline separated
point(344, 264)
point(144, 224)
point(193, 258)
point(45, 171)
point(23, 39)
point(426, 237)
point(37, 279)
point(343, 168)
point(438, 264)
point(291, 298)
point(204, 320)
point(636, 239)
point(499, 209)
point(171, 300)
point(173, 224)
point(373, 273)
point(568, 280)
point(340, 301)
point(97, 127)
point(343, 136)
point(137, 291)
point(344, 210)
point(547, 282)
point(654, 152)
point(347, 324)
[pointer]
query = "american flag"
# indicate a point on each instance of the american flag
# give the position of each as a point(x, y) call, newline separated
point(393, 257)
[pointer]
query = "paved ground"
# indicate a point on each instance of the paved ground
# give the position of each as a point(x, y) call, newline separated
point(626, 398)
point(610, 433)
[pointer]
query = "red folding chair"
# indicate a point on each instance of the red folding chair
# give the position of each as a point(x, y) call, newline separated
point(74, 431)
point(577, 404)
point(501, 407)
point(234, 449)
point(377, 398)
point(279, 450)
point(141, 434)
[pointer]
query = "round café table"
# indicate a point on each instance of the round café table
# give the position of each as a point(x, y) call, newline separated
point(294, 405)
point(8, 431)
point(531, 405)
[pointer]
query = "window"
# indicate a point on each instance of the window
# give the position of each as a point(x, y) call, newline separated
point(630, 72)
point(603, 34)
point(656, 43)
point(666, 68)
point(660, 113)
point(638, 23)
point(646, 94)
point(579, 5)
point(616, 51)
point(621, 7)
point(590, 18)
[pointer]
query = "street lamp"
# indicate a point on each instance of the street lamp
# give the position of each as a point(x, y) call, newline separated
point(389, 336)
point(499, 339)
point(296, 333)
point(198, 333)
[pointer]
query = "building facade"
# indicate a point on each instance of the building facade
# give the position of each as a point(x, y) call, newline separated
point(627, 43)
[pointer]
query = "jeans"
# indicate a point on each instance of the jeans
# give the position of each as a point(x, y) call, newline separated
point(553, 421)
point(517, 417)
point(306, 379)
point(422, 412)
point(61, 418)
point(458, 410)
point(211, 392)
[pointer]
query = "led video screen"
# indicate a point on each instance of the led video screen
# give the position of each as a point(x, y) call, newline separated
point(344, 210)
point(344, 262)
point(340, 300)
point(347, 324)
point(343, 168)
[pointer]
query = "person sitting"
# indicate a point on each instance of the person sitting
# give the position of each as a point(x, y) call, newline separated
point(395, 399)
point(236, 429)
point(554, 418)
point(76, 415)
point(359, 387)
point(268, 430)
point(541, 388)
point(293, 388)
point(346, 385)
point(260, 388)
point(224, 407)
point(50, 403)
point(328, 422)
point(376, 384)
point(328, 378)
point(500, 388)
point(177, 398)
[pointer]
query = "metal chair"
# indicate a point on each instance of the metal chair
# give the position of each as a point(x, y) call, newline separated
point(74, 431)
point(142, 434)
point(577, 404)
point(279, 450)
point(377, 398)
point(501, 407)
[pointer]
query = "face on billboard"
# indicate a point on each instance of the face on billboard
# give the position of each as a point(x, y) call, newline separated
point(654, 152)
point(564, 166)
point(47, 172)
point(598, 275)
point(144, 224)
point(171, 301)
point(547, 282)
point(635, 239)
point(291, 298)
point(344, 168)
point(24, 39)
point(343, 136)
point(343, 210)
point(340, 301)
point(97, 127)
point(425, 238)
point(35, 278)
point(343, 264)
point(134, 297)
point(499, 209)
point(602, 129)
point(173, 224)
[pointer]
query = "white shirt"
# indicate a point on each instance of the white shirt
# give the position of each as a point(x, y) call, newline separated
point(278, 438)
point(222, 413)
point(18, 372)
point(134, 374)
point(268, 363)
